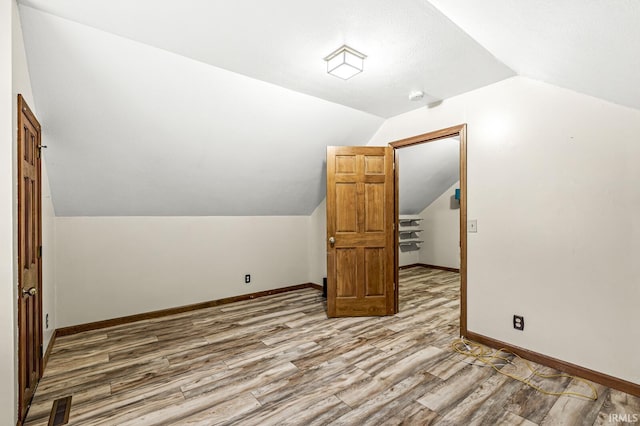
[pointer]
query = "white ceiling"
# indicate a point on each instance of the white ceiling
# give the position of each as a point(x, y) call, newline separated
point(590, 46)
point(134, 130)
point(409, 44)
point(426, 172)
point(205, 107)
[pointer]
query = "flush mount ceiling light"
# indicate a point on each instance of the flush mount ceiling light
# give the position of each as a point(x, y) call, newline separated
point(345, 62)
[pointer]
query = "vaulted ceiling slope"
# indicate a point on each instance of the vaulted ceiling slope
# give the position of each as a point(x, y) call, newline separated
point(136, 130)
point(192, 107)
point(409, 44)
point(591, 46)
point(197, 107)
point(426, 171)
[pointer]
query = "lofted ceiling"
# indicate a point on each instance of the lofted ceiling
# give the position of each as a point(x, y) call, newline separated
point(409, 44)
point(427, 170)
point(589, 46)
point(205, 107)
point(135, 130)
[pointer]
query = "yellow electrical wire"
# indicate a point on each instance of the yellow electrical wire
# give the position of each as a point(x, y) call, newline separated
point(487, 356)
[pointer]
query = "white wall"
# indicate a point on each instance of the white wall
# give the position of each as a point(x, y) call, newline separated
point(441, 235)
point(8, 376)
point(22, 85)
point(318, 244)
point(553, 182)
point(109, 267)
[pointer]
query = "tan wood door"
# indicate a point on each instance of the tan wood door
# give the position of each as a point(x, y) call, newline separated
point(29, 256)
point(360, 231)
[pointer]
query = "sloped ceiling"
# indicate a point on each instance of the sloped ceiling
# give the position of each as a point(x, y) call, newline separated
point(409, 44)
point(192, 107)
point(587, 46)
point(426, 171)
point(196, 107)
point(136, 130)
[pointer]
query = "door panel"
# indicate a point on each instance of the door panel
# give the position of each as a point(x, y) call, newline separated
point(346, 218)
point(373, 165)
point(346, 264)
point(374, 207)
point(29, 241)
point(360, 216)
point(346, 164)
point(374, 259)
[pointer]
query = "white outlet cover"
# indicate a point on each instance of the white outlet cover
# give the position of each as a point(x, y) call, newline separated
point(472, 226)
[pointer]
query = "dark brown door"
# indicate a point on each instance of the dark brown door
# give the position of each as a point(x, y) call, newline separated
point(360, 215)
point(29, 256)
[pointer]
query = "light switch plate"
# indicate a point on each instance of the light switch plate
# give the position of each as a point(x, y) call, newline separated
point(472, 226)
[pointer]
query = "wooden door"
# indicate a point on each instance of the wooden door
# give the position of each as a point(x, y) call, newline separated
point(29, 256)
point(360, 216)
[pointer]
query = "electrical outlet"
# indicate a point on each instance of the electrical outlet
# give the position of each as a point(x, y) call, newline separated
point(46, 321)
point(518, 322)
point(247, 278)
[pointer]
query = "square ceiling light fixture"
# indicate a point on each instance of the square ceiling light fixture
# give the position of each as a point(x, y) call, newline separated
point(345, 62)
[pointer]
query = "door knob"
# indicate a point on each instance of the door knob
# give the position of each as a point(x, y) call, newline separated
point(31, 292)
point(332, 240)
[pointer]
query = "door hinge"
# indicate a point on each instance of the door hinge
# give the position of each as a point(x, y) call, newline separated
point(39, 251)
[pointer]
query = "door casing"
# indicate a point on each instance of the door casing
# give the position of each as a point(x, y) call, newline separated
point(461, 131)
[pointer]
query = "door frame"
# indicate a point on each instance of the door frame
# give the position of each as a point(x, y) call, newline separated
point(25, 113)
point(461, 131)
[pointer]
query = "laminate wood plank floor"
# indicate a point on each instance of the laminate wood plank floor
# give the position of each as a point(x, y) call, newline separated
point(279, 360)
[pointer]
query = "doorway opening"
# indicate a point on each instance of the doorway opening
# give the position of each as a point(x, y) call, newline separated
point(430, 199)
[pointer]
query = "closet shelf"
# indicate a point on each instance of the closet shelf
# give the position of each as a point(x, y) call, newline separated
point(408, 233)
point(409, 221)
point(409, 242)
point(409, 230)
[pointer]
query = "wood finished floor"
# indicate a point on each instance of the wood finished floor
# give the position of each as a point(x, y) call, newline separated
point(279, 360)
